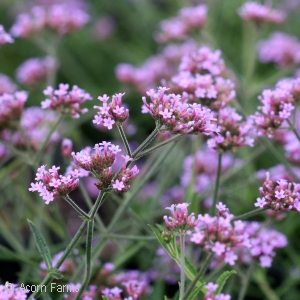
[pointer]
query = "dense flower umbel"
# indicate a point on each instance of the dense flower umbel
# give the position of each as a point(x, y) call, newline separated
point(181, 221)
point(6, 85)
point(50, 185)
point(177, 116)
point(64, 101)
point(220, 236)
point(280, 195)
point(280, 48)
point(5, 37)
point(211, 288)
point(62, 18)
point(135, 289)
point(12, 291)
point(178, 27)
point(34, 70)
point(111, 113)
point(260, 13)
point(113, 293)
point(232, 134)
point(277, 107)
point(11, 108)
point(100, 162)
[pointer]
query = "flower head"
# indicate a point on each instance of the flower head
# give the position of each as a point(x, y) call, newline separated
point(5, 37)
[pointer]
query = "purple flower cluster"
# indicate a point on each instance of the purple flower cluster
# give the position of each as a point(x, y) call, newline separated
point(181, 221)
point(61, 18)
point(210, 295)
point(100, 164)
point(4, 36)
point(253, 11)
point(111, 113)
point(35, 70)
point(11, 108)
point(232, 134)
point(6, 85)
point(221, 236)
point(51, 185)
point(280, 195)
point(12, 291)
point(64, 101)
point(113, 293)
point(281, 49)
point(178, 116)
point(177, 28)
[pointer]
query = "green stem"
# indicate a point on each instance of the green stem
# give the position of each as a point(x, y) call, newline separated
point(124, 139)
point(215, 199)
point(182, 264)
point(246, 281)
point(199, 275)
point(76, 207)
point(88, 259)
point(100, 199)
point(250, 214)
point(149, 150)
point(294, 130)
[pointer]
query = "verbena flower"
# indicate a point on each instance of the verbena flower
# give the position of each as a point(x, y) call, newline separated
point(260, 13)
point(181, 221)
point(113, 293)
point(177, 116)
point(34, 70)
point(64, 101)
point(177, 28)
point(51, 185)
point(4, 36)
point(281, 49)
point(280, 195)
point(111, 113)
point(11, 291)
point(6, 85)
point(210, 295)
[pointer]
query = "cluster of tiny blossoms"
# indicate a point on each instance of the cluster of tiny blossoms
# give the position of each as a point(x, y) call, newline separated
point(220, 236)
point(232, 134)
point(253, 11)
point(51, 185)
point(280, 195)
point(281, 49)
point(210, 295)
point(111, 113)
point(178, 116)
point(64, 101)
point(34, 70)
point(100, 164)
point(11, 291)
point(61, 18)
point(181, 221)
point(4, 36)
point(178, 27)
point(6, 85)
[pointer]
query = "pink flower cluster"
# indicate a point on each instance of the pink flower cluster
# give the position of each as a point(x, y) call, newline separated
point(277, 107)
point(64, 101)
point(177, 116)
point(6, 85)
point(11, 291)
point(113, 293)
point(231, 133)
point(51, 186)
point(4, 36)
point(11, 108)
point(280, 195)
point(253, 11)
point(210, 295)
point(264, 243)
point(34, 70)
point(61, 18)
point(155, 69)
point(100, 164)
point(220, 236)
point(111, 113)
point(177, 28)
point(281, 49)
point(181, 221)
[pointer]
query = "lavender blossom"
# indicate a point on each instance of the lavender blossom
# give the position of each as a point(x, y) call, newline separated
point(5, 37)
point(6, 85)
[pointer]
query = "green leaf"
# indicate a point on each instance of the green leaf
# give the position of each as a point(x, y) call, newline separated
point(55, 274)
point(104, 298)
point(195, 292)
point(41, 245)
point(222, 280)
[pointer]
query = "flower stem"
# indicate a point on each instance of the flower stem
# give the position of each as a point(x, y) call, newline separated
point(124, 139)
point(294, 130)
point(199, 275)
point(215, 199)
point(249, 214)
point(76, 207)
point(182, 264)
point(88, 259)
